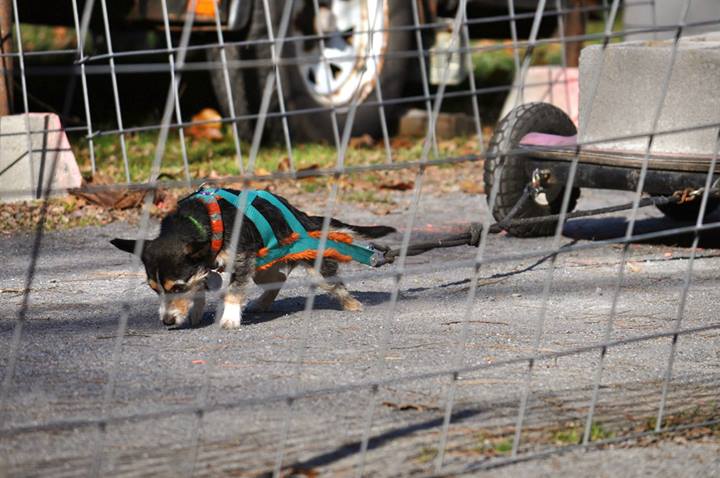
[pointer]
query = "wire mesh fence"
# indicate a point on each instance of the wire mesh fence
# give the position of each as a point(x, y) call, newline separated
point(560, 334)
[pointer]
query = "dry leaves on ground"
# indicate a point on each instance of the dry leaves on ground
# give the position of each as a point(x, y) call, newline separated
point(362, 142)
point(380, 192)
point(398, 185)
point(116, 198)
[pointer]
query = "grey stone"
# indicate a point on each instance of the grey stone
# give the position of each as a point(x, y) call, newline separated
point(630, 80)
point(53, 164)
point(448, 126)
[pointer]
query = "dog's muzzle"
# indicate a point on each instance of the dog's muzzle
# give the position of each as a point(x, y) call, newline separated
point(176, 311)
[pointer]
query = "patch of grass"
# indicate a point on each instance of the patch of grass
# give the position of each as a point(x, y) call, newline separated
point(494, 60)
point(427, 454)
point(494, 64)
point(598, 26)
point(574, 434)
point(43, 38)
point(650, 423)
point(503, 447)
point(218, 158)
point(568, 436)
point(493, 445)
point(367, 196)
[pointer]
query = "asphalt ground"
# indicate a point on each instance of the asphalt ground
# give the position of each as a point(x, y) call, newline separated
point(162, 378)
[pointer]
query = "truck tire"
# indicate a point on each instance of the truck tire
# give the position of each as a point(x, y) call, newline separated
point(348, 63)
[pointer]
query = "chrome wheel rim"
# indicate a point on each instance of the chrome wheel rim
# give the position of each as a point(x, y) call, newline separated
point(344, 66)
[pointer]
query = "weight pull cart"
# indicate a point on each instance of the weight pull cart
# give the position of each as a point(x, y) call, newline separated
point(530, 156)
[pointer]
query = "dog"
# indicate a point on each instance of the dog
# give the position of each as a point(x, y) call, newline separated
point(275, 237)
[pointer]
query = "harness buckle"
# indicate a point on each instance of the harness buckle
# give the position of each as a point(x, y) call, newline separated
point(379, 257)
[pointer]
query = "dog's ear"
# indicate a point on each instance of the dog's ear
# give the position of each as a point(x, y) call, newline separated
point(197, 250)
point(127, 245)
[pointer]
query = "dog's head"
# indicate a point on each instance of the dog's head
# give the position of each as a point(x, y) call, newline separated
point(176, 271)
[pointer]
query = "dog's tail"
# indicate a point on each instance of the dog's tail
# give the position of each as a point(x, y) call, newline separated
point(369, 232)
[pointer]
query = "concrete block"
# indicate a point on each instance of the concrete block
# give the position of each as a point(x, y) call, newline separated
point(630, 80)
point(414, 123)
point(52, 162)
point(548, 84)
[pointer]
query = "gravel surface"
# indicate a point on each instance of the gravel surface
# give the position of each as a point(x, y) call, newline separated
point(82, 285)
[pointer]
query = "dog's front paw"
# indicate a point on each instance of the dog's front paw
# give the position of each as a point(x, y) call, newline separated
point(231, 316)
point(352, 304)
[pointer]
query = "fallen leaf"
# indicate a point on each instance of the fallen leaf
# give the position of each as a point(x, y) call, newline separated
point(298, 471)
point(634, 266)
point(408, 406)
point(211, 130)
point(309, 168)
point(381, 211)
point(365, 141)
point(398, 186)
point(114, 198)
point(165, 201)
point(471, 187)
point(448, 145)
point(401, 143)
point(284, 164)
point(305, 169)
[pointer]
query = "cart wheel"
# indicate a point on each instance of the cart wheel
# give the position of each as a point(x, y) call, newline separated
point(513, 177)
point(688, 212)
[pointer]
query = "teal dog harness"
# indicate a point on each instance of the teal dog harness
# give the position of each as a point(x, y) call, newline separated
point(300, 244)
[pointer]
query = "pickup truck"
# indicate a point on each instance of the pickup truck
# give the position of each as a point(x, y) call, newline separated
point(338, 53)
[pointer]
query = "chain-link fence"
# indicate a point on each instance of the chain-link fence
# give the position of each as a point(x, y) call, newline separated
point(567, 331)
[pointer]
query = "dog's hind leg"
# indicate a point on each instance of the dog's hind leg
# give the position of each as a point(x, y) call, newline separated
point(271, 280)
point(235, 294)
point(335, 287)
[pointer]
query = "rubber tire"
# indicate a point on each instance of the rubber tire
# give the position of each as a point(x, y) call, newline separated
point(524, 119)
point(688, 212)
point(311, 126)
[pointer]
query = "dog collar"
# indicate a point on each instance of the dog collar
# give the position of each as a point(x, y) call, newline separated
point(217, 229)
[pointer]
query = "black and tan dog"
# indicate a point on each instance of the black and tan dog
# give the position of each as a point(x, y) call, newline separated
point(274, 237)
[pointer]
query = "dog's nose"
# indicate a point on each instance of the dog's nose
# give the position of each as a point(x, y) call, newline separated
point(168, 320)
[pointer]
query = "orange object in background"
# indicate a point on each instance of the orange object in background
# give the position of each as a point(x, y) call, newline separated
point(211, 131)
point(204, 8)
